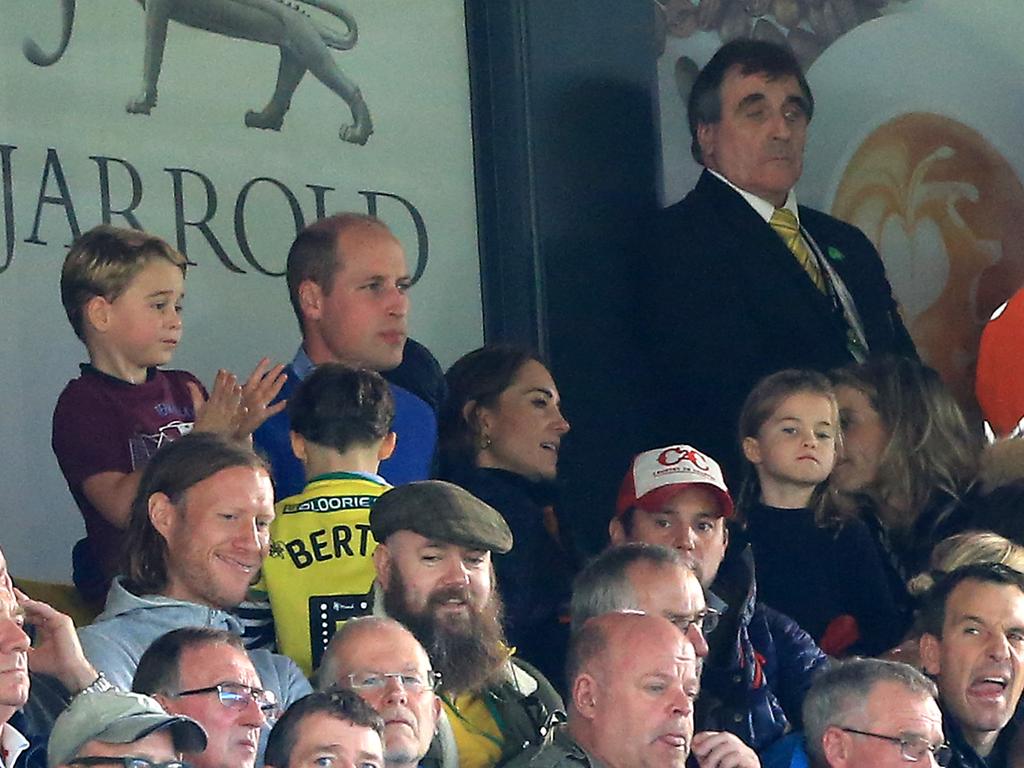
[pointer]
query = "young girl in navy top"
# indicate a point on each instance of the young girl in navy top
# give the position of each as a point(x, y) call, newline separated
point(825, 573)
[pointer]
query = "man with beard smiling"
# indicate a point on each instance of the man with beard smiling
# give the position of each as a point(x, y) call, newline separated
point(434, 574)
point(198, 533)
point(973, 645)
point(380, 660)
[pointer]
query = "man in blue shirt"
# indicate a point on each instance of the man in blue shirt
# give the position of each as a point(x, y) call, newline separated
point(348, 283)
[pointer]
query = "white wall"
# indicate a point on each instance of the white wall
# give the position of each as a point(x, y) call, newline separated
point(410, 64)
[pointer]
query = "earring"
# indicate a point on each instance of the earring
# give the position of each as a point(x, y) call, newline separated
point(485, 442)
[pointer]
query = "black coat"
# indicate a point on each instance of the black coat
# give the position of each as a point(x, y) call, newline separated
point(725, 303)
point(535, 576)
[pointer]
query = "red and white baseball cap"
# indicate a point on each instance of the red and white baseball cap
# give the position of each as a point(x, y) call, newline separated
point(656, 476)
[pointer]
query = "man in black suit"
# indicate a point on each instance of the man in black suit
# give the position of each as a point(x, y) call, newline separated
point(731, 297)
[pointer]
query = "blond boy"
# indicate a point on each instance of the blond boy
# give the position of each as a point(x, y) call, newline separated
point(122, 290)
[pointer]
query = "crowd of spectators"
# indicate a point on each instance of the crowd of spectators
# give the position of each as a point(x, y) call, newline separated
point(356, 523)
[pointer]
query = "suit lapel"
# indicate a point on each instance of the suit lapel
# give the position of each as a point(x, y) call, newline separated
point(764, 256)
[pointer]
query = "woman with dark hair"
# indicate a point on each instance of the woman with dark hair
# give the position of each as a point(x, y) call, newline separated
point(499, 435)
point(908, 458)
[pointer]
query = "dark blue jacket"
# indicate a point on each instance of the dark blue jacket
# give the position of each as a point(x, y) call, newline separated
point(415, 424)
point(760, 664)
point(535, 577)
point(46, 700)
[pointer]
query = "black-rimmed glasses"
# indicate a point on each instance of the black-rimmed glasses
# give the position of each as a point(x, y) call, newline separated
point(126, 762)
point(913, 748)
point(238, 696)
point(413, 682)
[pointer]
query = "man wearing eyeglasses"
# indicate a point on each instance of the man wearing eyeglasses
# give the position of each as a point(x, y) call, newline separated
point(973, 646)
point(759, 663)
point(380, 660)
point(113, 729)
point(869, 713)
point(654, 579)
point(649, 578)
point(205, 674)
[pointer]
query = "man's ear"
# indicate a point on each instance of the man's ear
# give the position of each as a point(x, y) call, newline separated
point(616, 532)
point(706, 140)
point(162, 514)
point(382, 564)
point(387, 446)
point(437, 710)
point(752, 450)
point(311, 299)
point(298, 445)
point(930, 648)
point(584, 695)
point(165, 702)
point(836, 746)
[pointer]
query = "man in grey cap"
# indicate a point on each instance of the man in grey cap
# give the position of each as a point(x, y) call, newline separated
point(103, 729)
point(434, 574)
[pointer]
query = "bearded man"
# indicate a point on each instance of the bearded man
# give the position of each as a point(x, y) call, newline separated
point(434, 575)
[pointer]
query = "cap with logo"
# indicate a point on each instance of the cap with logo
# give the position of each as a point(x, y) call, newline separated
point(443, 512)
point(117, 717)
point(656, 476)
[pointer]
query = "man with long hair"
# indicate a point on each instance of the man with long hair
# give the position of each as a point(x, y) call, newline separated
point(199, 530)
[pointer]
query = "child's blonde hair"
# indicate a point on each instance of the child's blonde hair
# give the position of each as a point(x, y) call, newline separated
point(102, 262)
point(763, 400)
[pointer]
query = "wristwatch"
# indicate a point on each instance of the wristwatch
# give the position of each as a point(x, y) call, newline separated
point(99, 685)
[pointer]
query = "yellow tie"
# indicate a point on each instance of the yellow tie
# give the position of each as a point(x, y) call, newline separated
point(784, 222)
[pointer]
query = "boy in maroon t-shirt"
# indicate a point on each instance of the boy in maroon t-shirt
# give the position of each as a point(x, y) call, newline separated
point(122, 292)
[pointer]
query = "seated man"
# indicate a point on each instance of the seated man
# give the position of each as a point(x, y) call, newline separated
point(326, 729)
point(632, 682)
point(105, 728)
point(348, 283)
point(648, 578)
point(973, 646)
point(205, 674)
point(198, 534)
point(866, 713)
point(380, 660)
point(434, 574)
point(760, 663)
point(36, 687)
point(653, 579)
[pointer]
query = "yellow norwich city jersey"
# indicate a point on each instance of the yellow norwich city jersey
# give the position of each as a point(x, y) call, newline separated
point(477, 733)
point(320, 571)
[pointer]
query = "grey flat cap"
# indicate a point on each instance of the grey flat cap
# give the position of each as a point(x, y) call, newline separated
point(443, 512)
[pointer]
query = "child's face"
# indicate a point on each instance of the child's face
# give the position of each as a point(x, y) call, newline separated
point(796, 446)
point(142, 327)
